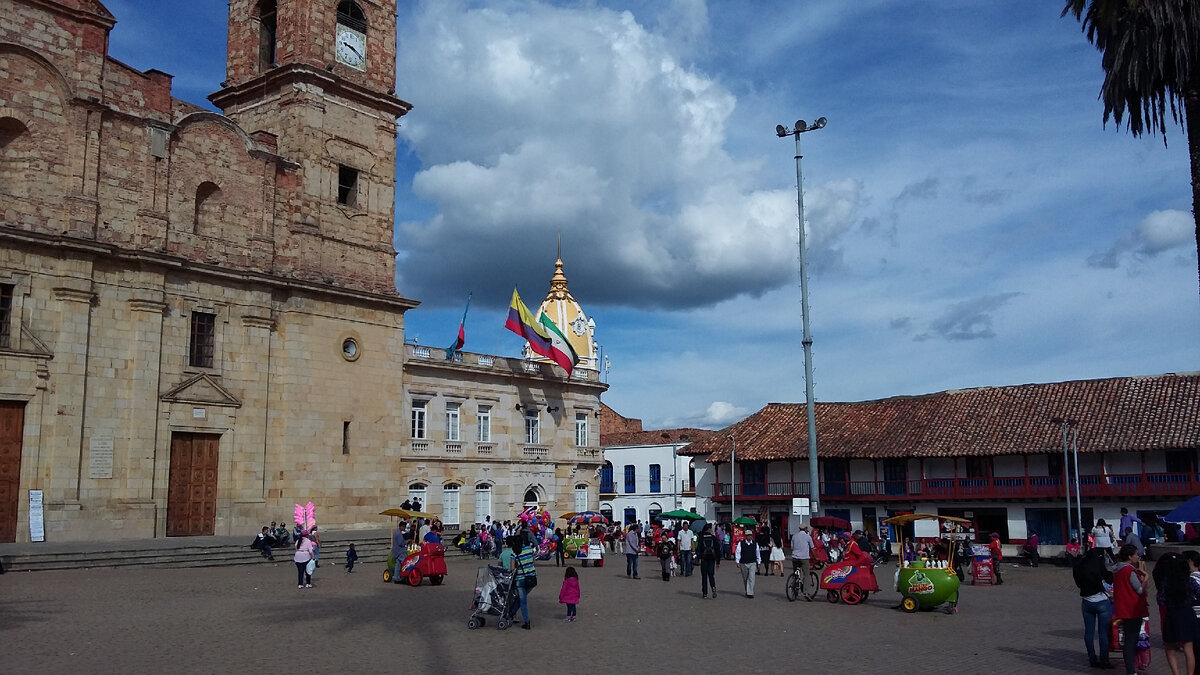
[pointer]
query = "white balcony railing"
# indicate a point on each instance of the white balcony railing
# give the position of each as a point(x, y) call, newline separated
point(535, 452)
point(454, 448)
point(420, 447)
point(485, 450)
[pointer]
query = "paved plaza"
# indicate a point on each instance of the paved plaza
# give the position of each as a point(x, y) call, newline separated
point(253, 618)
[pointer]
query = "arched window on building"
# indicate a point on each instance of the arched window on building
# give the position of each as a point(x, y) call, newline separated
point(208, 209)
point(483, 502)
point(581, 497)
point(14, 148)
point(653, 511)
point(450, 509)
point(350, 15)
point(531, 498)
point(417, 491)
point(266, 34)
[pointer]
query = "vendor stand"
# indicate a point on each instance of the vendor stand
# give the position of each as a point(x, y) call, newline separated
point(926, 583)
point(424, 558)
point(982, 570)
point(588, 548)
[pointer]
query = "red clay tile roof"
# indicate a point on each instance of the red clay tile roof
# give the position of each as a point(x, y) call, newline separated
point(654, 437)
point(1114, 415)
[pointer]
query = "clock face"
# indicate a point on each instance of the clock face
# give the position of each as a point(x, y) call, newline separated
point(579, 325)
point(351, 48)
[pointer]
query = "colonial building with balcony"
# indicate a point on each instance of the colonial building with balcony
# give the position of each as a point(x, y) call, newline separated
point(992, 454)
point(643, 475)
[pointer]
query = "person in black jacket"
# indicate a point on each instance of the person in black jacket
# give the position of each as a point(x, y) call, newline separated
point(666, 552)
point(763, 541)
point(1090, 575)
point(708, 549)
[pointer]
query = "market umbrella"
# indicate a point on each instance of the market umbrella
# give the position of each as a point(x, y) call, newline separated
point(698, 525)
point(568, 515)
point(405, 513)
point(586, 517)
point(746, 520)
point(1187, 512)
point(680, 514)
point(830, 522)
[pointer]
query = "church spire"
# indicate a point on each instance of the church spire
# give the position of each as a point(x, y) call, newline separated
point(565, 312)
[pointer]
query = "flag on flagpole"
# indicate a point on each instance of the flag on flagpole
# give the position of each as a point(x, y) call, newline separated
point(462, 333)
point(543, 336)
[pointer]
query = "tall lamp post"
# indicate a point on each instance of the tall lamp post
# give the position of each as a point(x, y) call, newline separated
point(732, 484)
point(813, 476)
point(1065, 425)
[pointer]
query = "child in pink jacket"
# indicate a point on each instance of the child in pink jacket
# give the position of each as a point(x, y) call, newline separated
point(569, 594)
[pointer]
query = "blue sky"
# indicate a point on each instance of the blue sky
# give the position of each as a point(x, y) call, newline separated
point(970, 222)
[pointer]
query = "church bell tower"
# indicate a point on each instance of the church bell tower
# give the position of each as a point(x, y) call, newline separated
point(314, 81)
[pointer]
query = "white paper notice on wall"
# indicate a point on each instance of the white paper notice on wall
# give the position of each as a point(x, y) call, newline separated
point(37, 524)
point(800, 506)
point(100, 457)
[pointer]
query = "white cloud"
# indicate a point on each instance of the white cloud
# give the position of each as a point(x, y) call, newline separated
point(1157, 233)
point(532, 120)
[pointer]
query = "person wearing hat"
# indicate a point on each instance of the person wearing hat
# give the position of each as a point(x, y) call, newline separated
point(997, 556)
point(746, 557)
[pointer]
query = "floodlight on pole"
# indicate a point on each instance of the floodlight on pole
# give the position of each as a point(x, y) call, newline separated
point(813, 476)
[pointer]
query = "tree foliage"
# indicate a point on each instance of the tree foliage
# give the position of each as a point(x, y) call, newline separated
point(1150, 49)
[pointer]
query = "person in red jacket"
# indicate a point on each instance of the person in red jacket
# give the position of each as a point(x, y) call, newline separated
point(1129, 601)
point(997, 556)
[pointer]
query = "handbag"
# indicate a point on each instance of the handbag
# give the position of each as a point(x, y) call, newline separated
point(530, 582)
point(312, 566)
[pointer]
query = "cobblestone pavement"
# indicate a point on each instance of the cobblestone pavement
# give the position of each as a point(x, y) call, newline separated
point(250, 618)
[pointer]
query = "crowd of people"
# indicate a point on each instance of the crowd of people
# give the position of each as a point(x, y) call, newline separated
point(1115, 587)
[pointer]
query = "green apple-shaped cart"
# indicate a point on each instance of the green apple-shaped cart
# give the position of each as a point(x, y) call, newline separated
point(927, 584)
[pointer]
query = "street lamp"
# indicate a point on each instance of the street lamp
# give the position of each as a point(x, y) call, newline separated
point(1067, 424)
point(813, 476)
point(732, 484)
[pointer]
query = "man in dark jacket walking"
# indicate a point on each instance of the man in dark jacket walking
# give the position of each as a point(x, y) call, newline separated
point(708, 549)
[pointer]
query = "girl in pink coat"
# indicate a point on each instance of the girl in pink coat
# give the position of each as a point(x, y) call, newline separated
point(569, 594)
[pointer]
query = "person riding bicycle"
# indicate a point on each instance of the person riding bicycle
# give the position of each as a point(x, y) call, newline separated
point(802, 548)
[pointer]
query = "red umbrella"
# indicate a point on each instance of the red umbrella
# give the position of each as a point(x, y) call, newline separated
point(830, 523)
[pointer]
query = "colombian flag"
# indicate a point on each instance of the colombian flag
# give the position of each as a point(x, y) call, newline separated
point(543, 336)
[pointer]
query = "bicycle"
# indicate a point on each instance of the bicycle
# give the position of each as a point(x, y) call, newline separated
point(796, 588)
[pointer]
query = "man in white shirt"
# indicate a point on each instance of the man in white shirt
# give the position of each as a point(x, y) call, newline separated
point(802, 545)
point(687, 540)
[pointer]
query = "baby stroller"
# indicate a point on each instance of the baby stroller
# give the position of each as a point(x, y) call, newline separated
point(495, 594)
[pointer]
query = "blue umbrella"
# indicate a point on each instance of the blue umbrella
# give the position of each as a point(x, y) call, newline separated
point(698, 525)
point(1187, 512)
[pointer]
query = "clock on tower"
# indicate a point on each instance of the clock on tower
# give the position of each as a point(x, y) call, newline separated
point(319, 76)
point(351, 38)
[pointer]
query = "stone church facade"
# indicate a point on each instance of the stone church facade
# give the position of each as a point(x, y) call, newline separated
point(198, 319)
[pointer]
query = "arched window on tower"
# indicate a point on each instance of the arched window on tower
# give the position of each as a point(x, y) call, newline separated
point(266, 35)
point(14, 148)
point(208, 209)
point(350, 15)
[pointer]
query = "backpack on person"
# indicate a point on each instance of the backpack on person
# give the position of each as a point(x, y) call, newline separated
point(708, 547)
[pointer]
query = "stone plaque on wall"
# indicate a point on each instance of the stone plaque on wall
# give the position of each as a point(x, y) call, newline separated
point(100, 457)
